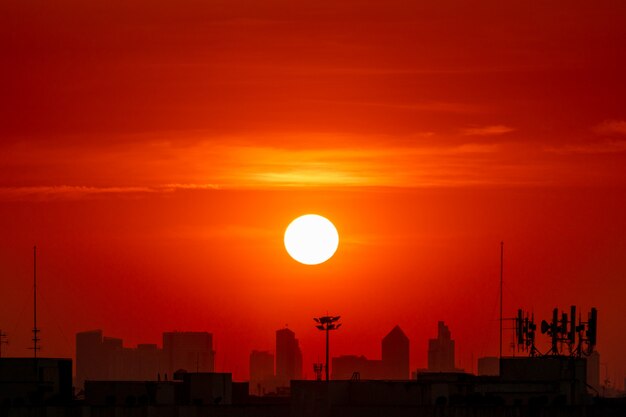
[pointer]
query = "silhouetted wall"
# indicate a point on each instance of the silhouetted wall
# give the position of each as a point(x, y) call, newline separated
point(29, 381)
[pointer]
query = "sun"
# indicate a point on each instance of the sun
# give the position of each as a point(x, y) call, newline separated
point(311, 239)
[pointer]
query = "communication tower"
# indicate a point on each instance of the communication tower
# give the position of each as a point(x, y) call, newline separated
point(568, 336)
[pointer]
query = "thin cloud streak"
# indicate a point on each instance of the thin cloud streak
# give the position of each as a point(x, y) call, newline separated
point(494, 130)
point(246, 167)
point(219, 163)
point(67, 192)
point(604, 147)
point(611, 127)
point(424, 106)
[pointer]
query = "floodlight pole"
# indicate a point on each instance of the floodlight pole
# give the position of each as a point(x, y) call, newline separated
point(327, 350)
point(327, 323)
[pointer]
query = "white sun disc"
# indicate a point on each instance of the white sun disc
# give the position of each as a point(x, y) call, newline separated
point(311, 239)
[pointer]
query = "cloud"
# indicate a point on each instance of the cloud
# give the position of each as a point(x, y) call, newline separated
point(65, 192)
point(75, 192)
point(423, 106)
point(326, 160)
point(611, 127)
point(209, 166)
point(493, 130)
point(190, 187)
point(605, 147)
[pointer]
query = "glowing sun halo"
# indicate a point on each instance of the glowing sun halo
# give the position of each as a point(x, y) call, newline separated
point(311, 239)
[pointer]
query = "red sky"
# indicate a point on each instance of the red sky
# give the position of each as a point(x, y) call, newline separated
point(155, 152)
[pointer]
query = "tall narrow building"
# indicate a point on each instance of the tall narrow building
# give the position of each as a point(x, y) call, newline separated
point(288, 357)
point(441, 351)
point(261, 372)
point(395, 354)
point(89, 357)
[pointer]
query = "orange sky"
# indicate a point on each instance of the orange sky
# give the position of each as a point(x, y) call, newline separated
point(156, 151)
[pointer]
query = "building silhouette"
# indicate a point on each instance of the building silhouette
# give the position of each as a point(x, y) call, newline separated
point(393, 365)
point(441, 351)
point(191, 351)
point(349, 366)
point(91, 362)
point(288, 357)
point(101, 358)
point(395, 354)
point(34, 381)
point(261, 372)
point(548, 386)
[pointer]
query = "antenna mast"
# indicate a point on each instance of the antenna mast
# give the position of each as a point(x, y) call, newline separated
point(3, 341)
point(35, 329)
point(501, 273)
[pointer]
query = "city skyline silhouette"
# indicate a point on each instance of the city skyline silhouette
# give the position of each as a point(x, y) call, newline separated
point(235, 170)
point(470, 364)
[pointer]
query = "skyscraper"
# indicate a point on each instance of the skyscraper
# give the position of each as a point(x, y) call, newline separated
point(89, 355)
point(105, 358)
point(288, 357)
point(191, 351)
point(261, 372)
point(441, 351)
point(395, 354)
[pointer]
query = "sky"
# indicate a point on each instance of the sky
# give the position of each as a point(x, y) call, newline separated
point(156, 151)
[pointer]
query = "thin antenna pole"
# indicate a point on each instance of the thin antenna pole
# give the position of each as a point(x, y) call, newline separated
point(327, 348)
point(3, 341)
point(35, 330)
point(501, 274)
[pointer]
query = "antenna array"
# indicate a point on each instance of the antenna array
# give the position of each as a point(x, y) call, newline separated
point(568, 336)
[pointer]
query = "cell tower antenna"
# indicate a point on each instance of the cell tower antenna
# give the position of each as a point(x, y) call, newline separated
point(35, 329)
point(501, 274)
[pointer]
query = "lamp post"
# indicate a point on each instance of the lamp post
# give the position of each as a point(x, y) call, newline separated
point(327, 323)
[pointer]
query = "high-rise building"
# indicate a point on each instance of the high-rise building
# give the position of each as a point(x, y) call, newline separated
point(89, 357)
point(101, 358)
point(261, 372)
point(145, 360)
point(191, 351)
point(288, 357)
point(441, 351)
point(114, 356)
point(395, 354)
point(393, 365)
